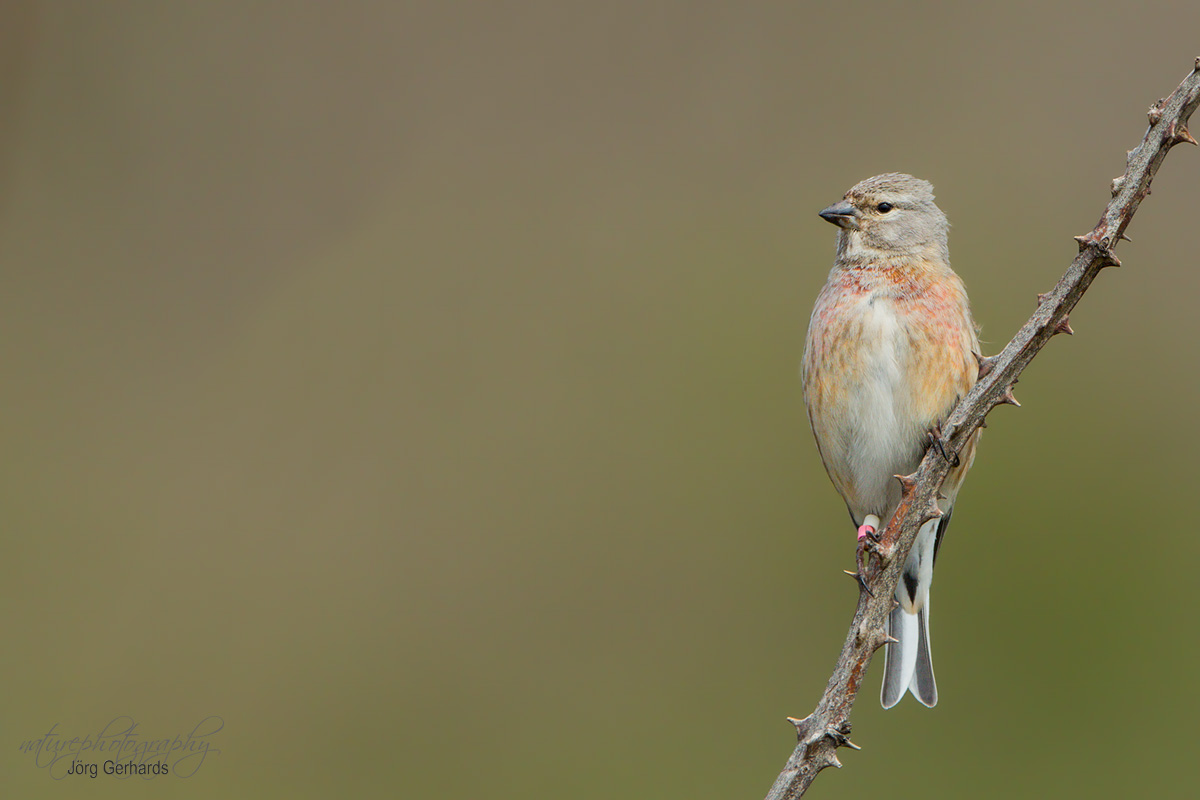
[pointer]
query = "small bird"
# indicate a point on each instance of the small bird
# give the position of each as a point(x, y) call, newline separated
point(891, 348)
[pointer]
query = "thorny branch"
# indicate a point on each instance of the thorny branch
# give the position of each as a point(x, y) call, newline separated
point(827, 728)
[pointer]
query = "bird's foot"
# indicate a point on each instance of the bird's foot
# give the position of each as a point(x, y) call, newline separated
point(935, 440)
point(868, 538)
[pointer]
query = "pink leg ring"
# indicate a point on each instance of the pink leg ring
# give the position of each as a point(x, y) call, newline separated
point(864, 531)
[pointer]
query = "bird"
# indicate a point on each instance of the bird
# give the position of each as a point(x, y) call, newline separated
point(891, 348)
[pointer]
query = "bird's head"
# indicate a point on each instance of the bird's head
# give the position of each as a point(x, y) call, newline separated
point(889, 215)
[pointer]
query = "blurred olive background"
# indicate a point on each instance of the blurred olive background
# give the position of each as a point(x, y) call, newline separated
point(415, 387)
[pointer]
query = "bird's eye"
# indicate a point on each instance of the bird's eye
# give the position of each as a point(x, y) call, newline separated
point(883, 208)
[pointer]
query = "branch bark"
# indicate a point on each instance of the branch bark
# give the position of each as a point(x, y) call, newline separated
point(827, 728)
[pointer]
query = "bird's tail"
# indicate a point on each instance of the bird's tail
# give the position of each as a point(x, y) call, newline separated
point(907, 664)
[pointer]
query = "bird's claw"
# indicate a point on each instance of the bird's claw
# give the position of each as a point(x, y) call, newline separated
point(860, 580)
point(935, 440)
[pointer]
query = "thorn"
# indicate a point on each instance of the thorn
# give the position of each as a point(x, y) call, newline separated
point(1064, 326)
point(840, 736)
point(941, 496)
point(1089, 238)
point(907, 482)
point(1177, 133)
point(801, 726)
point(833, 762)
point(1008, 399)
point(985, 363)
point(1116, 185)
point(932, 512)
point(1122, 235)
point(983, 423)
point(1042, 297)
point(883, 638)
point(1107, 259)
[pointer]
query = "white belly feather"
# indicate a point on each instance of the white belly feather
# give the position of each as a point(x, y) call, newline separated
point(883, 439)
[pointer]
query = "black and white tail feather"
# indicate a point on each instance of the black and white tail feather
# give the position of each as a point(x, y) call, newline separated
point(907, 663)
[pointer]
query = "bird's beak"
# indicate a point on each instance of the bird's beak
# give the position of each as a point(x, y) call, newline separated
point(842, 214)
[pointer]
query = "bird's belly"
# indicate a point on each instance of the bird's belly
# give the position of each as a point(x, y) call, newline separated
point(881, 434)
point(882, 439)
